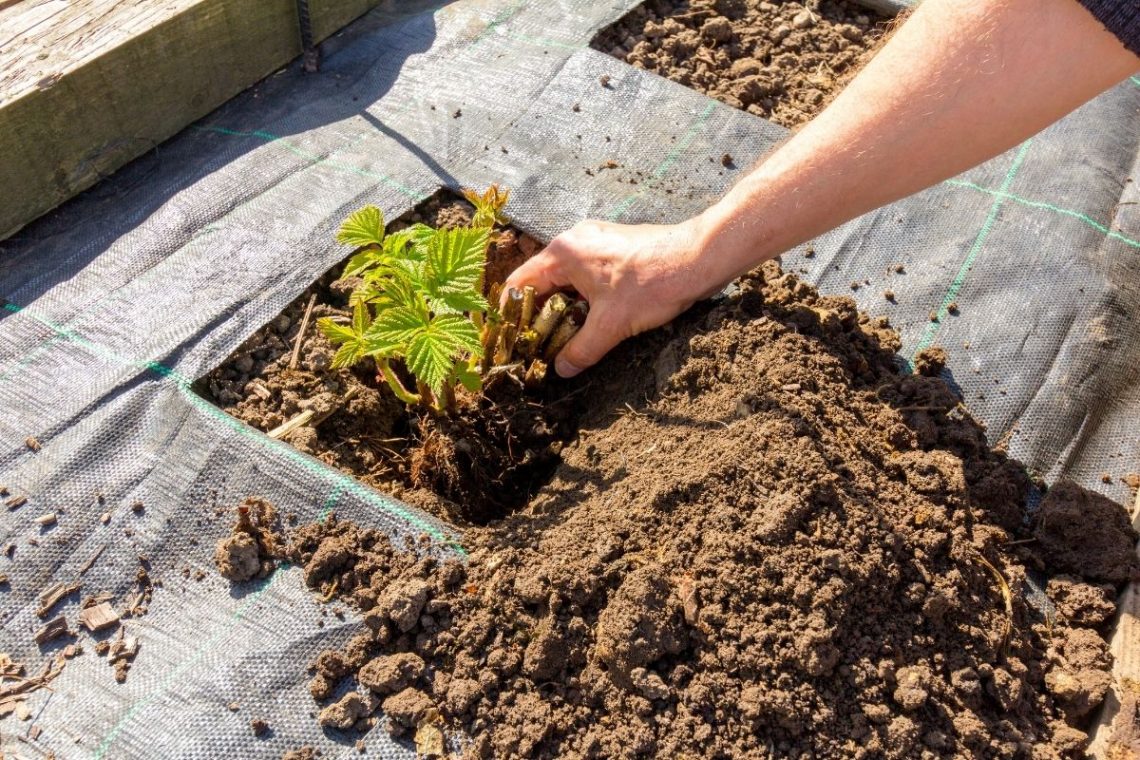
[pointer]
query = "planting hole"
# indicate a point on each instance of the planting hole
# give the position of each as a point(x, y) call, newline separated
point(470, 467)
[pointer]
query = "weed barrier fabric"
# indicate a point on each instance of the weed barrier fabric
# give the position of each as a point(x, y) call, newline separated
point(118, 301)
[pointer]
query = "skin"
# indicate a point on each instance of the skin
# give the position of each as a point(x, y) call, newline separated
point(957, 84)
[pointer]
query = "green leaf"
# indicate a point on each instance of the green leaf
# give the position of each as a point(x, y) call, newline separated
point(457, 303)
point(456, 259)
point(367, 292)
point(430, 360)
point(362, 262)
point(362, 227)
point(433, 352)
point(458, 332)
point(348, 354)
point(393, 330)
point(361, 318)
point(334, 331)
point(468, 377)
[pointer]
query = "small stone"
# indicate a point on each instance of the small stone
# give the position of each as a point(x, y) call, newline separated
point(46, 520)
point(952, 307)
point(889, 295)
point(32, 443)
point(137, 507)
point(805, 19)
point(259, 727)
point(604, 80)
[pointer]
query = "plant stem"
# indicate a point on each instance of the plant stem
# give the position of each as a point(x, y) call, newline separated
point(394, 383)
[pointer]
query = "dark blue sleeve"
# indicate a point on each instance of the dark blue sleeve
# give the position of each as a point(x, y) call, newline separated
point(1121, 17)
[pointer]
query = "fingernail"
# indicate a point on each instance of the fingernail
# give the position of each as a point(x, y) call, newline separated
point(565, 369)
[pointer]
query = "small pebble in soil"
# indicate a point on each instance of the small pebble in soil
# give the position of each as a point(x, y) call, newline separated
point(32, 444)
point(604, 80)
point(933, 315)
point(854, 284)
point(809, 253)
point(889, 295)
point(259, 727)
point(897, 268)
point(726, 161)
point(233, 707)
point(576, 108)
point(952, 307)
point(1105, 477)
point(457, 114)
point(137, 507)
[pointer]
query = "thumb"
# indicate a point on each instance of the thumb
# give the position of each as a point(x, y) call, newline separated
point(587, 348)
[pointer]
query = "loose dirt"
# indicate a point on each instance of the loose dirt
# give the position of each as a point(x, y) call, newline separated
point(781, 61)
point(765, 541)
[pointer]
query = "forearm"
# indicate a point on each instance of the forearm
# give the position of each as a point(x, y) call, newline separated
point(960, 82)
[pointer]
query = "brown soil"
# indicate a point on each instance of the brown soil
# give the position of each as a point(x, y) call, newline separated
point(249, 550)
point(765, 541)
point(783, 61)
point(471, 468)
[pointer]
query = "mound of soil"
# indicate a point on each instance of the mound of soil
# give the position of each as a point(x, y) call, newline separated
point(782, 61)
point(765, 541)
point(471, 468)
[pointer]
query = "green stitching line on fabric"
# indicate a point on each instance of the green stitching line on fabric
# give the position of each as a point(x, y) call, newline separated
point(316, 160)
point(1135, 81)
point(1085, 218)
point(666, 164)
point(181, 668)
point(184, 386)
point(975, 249)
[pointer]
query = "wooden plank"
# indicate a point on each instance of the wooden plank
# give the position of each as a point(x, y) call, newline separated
point(1116, 734)
point(87, 85)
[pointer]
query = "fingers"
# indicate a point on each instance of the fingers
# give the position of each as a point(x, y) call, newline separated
point(586, 349)
point(541, 271)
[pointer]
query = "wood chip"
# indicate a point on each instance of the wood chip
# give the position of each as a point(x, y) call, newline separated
point(16, 502)
point(32, 443)
point(3, 579)
point(8, 705)
point(52, 630)
point(99, 617)
point(46, 519)
point(4, 490)
point(34, 732)
point(92, 560)
point(54, 595)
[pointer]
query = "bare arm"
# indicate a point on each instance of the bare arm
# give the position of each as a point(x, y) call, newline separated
point(960, 82)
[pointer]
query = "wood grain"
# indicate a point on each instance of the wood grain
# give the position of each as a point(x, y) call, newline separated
point(87, 85)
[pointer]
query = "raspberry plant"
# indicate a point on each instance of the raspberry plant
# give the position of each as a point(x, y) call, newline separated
point(420, 301)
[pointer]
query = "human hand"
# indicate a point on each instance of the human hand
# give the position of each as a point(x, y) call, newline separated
point(635, 278)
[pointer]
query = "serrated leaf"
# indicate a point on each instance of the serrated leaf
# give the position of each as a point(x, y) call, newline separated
point(362, 262)
point(469, 377)
point(362, 227)
point(393, 330)
point(456, 259)
point(430, 360)
point(334, 331)
point(361, 318)
point(488, 206)
point(348, 354)
point(458, 303)
point(458, 332)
